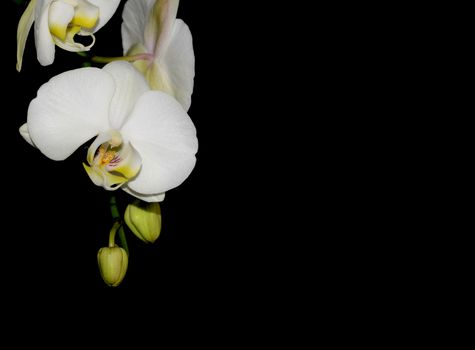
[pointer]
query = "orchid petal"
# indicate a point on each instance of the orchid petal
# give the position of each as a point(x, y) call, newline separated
point(43, 39)
point(60, 15)
point(107, 9)
point(130, 85)
point(159, 197)
point(26, 134)
point(159, 27)
point(134, 16)
point(24, 26)
point(158, 79)
point(69, 110)
point(165, 137)
point(178, 65)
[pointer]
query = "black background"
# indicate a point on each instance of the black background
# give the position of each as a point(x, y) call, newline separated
point(55, 219)
point(229, 262)
point(275, 206)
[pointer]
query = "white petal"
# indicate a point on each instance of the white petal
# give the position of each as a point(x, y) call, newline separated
point(41, 4)
point(179, 61)
point(24, 26)
point(130, 85)
point(26, 134)
point(135, 16)
point(107, 9)
point(69, 110)
point(147, 198)
point(43, 39)
point(159, 28)
point(165, 137)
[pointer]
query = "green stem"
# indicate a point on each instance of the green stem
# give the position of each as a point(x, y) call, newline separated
point(116, 216)
point(112, 234)
point(132, 58)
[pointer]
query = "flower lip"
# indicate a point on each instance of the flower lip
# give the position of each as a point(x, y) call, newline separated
point(58, 21)
point(66, 19)
point(111, 162)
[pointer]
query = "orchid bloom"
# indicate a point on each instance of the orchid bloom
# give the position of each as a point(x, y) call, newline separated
point(151, 32)
point(145, 141)
point(58, 21)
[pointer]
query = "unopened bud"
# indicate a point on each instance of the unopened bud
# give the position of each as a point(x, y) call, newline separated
point(113, 262)
point(144, 220)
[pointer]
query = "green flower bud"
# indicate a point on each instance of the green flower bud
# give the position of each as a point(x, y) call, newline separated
point(113, 262)
point(144, 220)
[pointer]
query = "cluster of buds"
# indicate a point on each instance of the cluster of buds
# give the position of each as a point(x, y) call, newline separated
point(145, 221)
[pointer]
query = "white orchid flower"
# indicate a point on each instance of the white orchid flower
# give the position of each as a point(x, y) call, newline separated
point(145, 141)
point(58, 21)
point(151, 31)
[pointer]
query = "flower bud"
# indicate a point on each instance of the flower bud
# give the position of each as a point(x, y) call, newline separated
point(144, 220)
point(113, 262)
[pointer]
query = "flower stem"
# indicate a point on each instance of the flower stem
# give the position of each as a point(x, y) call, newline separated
point(132, 58)
point(116, 216)
point(112, 234)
